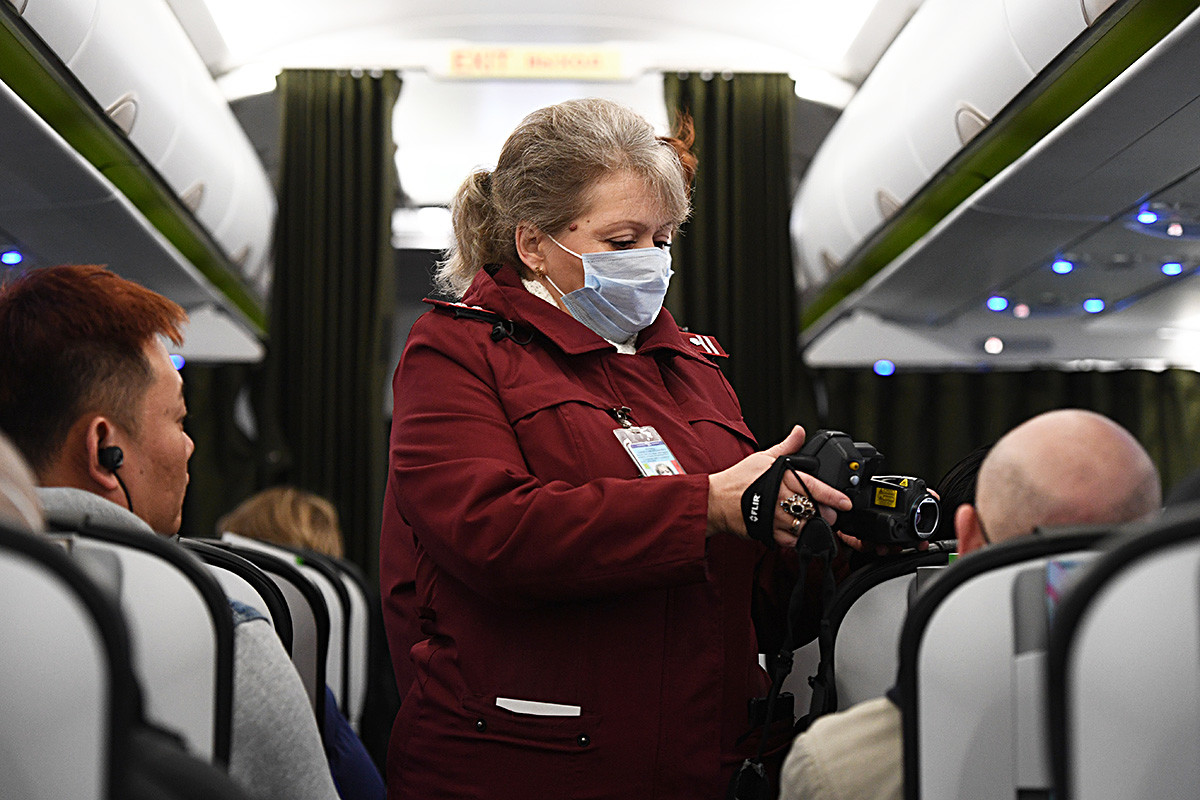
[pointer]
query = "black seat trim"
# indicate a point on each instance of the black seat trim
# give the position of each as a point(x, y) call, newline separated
point(273, 599)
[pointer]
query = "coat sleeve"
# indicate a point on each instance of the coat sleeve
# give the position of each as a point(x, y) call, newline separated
point(475, 508)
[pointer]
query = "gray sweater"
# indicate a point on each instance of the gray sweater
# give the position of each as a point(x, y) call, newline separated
point(276, 751)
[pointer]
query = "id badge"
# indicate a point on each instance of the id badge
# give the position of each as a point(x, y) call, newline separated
point(648, 451)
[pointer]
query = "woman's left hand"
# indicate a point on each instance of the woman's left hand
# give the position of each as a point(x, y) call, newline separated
point(828, 501)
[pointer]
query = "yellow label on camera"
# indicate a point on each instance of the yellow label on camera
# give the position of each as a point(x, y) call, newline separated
point(886, 497)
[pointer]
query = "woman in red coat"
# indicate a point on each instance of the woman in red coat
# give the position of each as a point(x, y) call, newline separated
point(564, 559)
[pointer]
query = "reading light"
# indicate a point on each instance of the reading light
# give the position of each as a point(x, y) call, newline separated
point(997, 303)
point(994, 345)
point(1063, 267)
point(1172, 268)
point(11, 257)
point(1147, 217)
point(884, 368)
point(1021, 311)
point(177, 361)
point(1093, 305)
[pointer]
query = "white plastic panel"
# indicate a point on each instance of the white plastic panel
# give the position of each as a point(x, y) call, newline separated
point(62, 24)
point(818, 226)
point(1041, 28)
point(207, 148)
point(335, 655)
point(965, 735)
point(173, 643)
point(246, 229)
point(238, 588)
point(973, 62)
point(805, 661)
point(1094, 8)
point(305, 648)
point(55, 682)
point(1134, 686)
point(136, 51)
point(866, 647)
point(360, 633)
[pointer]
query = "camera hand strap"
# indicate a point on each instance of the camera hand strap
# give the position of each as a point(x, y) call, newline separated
point(816, 540)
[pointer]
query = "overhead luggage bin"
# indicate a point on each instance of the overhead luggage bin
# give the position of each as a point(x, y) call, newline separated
point(115, 89)
point(1059, 172)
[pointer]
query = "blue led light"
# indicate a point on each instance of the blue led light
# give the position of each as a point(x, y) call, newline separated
point(884, 368)
point(11, 257)
point(1093, 305)
point(1063, 267)
point(997, 303)
point(1147, 217)
point(1172, 268)
point(177, 360)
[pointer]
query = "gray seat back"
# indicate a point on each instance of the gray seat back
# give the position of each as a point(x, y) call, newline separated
point(1124, 670)
point(963, 684)
point(308, 610)
point(181, 632)
point(61, 691)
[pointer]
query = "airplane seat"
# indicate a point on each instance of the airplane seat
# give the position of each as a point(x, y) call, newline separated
point(246, 583)
point(860, 632)
point(358, 640)
point(326, 576)
point(967, 679)
point(181, 630)
point(64, 667)
point(1123, 674)
point(305, 604)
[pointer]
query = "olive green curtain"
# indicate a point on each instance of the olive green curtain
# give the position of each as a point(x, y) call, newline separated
point(332, 292)
point(925, 421)
point(733, 261)
point(237, 448)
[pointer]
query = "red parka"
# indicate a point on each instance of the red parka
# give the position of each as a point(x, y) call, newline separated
point(547, 570)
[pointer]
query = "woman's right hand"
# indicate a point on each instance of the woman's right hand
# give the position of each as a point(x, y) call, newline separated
point(725, 491)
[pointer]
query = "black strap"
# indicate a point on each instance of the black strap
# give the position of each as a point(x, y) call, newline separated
point(817, 541)
point(501, 328)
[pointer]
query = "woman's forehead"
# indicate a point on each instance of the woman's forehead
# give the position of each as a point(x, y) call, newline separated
point(626, 197)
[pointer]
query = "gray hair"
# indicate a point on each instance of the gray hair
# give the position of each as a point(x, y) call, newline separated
point(544, 177)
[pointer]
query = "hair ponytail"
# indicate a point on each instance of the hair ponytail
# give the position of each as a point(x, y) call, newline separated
point(474, 216)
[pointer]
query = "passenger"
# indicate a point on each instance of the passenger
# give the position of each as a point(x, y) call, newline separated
point(83, 372)
point(288, 516)
point(585, 622)
point(1064, 467)
point(296, 518)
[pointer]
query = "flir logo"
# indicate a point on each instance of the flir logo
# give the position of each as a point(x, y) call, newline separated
point(754, 508)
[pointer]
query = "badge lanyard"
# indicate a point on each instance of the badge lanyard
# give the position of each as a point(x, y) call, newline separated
point(643, 444)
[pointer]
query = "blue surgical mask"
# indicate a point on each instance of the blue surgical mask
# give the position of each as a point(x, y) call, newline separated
point(623, 290)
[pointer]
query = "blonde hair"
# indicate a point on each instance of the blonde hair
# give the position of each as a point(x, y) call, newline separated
point(545, 174)
point(288, 516)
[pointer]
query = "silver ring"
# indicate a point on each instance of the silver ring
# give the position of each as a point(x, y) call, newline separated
point(799, 507)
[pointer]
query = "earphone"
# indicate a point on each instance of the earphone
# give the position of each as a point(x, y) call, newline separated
point(111, 458)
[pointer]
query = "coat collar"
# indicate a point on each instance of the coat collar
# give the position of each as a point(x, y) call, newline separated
point(499, 289)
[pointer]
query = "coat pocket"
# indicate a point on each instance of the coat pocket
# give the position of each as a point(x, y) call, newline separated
point(534, 732)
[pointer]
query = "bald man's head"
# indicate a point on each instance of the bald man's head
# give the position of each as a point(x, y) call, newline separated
point(1065, 467)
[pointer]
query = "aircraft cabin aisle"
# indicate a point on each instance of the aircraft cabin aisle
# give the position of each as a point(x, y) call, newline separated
point(920, 222)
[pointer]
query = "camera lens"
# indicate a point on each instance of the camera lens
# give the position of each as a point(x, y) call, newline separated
point(925, 517)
